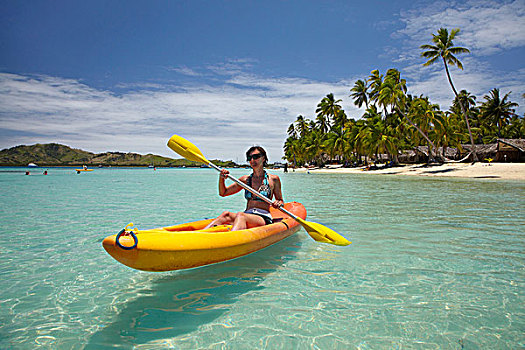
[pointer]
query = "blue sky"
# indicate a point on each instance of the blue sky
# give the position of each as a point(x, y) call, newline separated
point(126, 75)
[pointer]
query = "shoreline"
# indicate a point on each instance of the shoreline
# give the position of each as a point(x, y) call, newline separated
point(497, 171)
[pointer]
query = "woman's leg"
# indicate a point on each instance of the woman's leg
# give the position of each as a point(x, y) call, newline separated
point(226, 218)
point(243, 221)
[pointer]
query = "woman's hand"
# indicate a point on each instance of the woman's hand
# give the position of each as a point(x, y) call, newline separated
point(224, 173)
point(277, 203)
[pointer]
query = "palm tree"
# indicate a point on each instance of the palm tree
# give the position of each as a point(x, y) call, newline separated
point(326, 109)
point(516, 128)
point(428, 117)
point(376, 80)
point(322, 123)
point(454, 131)
point(337, 143)
point(360, 93)
point(340, 120)
point(375, 135)
point(314, 146)
point(291, 131)
point(393, 92)
point(466, 98)
point(408, 109)
point(497, 110)
point(468, 101)
point(291, 150)
point(444, 48)
point(392, 88)
point(302, 125)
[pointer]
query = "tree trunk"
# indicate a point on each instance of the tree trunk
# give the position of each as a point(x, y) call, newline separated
point(429, 159)
point(463, 110)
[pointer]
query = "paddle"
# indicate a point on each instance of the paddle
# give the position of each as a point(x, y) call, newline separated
point(317, 231)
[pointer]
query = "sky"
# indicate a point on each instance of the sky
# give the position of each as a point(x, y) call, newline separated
point(126, 75)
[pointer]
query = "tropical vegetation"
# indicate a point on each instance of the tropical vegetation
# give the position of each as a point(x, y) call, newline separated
point(394, 120)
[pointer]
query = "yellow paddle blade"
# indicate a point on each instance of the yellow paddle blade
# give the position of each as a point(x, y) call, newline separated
point(322, 233)
point(186, 149)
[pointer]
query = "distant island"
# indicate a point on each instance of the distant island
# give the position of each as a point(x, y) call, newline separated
point(54, 154)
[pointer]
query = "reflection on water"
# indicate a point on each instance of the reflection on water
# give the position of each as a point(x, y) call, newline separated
point(180, 302)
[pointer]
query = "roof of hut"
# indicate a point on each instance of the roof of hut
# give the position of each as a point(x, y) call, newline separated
point(450, 152)
point(519, 144)
point(488, 148)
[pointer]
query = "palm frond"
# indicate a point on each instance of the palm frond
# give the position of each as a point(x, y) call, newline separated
point(430, 54)
point(454, 61)
point(456, 50)
point(453, 33)
point(429, 62)
point(429, 47)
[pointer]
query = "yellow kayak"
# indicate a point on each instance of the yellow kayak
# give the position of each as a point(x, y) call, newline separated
point(189, 245)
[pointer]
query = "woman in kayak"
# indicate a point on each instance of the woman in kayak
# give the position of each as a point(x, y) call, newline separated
point(257, 211)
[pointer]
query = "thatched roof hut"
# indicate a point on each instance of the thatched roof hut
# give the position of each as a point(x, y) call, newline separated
point(420, 154)
point(407, 156)
point(505, 150)
point(510, 150)
point(483, 151)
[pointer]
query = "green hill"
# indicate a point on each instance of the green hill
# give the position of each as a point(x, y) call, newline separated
point(54, 154)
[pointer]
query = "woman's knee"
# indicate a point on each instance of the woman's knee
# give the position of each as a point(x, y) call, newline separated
point(240, 216)
point(227, 215)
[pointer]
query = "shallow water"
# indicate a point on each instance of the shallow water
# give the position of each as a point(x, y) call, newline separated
point(435, 263)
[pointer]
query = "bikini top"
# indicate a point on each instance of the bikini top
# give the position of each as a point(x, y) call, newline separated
point(264, 189)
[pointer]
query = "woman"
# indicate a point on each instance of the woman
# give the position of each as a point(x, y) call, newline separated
point(257, 211)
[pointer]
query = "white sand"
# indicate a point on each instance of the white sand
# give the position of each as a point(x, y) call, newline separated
point(505, 171)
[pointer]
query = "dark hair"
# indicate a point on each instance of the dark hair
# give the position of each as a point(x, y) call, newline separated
point(261, 150)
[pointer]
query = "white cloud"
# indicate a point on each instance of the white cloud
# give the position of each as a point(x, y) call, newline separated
point(235, 110)
point(185, 71)
point(486, 27)
point(222, 120)
point(477, 78)
point(232, 66)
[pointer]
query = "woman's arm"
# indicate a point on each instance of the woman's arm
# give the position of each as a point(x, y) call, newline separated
point(277, 192)
point(229, 190)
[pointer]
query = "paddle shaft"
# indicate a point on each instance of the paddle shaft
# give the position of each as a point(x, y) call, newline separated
point(252, 191)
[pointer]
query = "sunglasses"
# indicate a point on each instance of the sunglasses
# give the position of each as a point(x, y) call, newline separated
point(254, 156)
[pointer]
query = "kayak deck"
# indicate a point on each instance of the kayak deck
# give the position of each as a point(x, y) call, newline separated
point(189, 245)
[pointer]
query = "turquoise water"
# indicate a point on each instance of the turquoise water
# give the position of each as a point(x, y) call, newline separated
point(435, 263)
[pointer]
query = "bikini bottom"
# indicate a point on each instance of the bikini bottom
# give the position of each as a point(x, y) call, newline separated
point(262, 213)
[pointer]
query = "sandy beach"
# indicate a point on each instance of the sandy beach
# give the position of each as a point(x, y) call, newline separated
point(503, 171)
